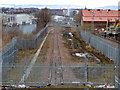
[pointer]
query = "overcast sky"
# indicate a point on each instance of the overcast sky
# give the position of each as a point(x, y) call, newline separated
point(87, 3)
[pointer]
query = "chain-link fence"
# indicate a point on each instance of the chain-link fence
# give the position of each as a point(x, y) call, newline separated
point(108, 48)
point(32, 42)
point(69, 74)
point(9, 52)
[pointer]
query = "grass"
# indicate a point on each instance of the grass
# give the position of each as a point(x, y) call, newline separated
point(7, 36)
point(45, 46)
point(27, 52)
point(76, 46)
point(42, 56)
point(92, 50)
point(84, 46)
point(15, 74)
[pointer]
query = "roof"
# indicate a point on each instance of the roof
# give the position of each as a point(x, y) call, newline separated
point(99, 15)
point(99, 19)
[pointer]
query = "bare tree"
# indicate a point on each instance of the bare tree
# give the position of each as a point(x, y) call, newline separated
point(43, 17)
point(78, 17)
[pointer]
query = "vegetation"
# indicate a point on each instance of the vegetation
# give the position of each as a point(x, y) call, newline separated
point(7, 36)
point(43, 17)
point(77, 42)
point(78, 17)
point(92, 50)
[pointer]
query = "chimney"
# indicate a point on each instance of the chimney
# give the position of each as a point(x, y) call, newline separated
point(88, 9)
point(109, 9)
point(98, 9)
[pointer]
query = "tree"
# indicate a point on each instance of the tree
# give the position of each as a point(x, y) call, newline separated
point(43, 17)
point(78, 17)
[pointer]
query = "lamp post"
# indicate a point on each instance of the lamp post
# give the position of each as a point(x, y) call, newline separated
point(92, 26)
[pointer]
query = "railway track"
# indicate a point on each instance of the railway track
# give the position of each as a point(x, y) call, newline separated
point(51, 60)
point(55, 67)
point(60, 61)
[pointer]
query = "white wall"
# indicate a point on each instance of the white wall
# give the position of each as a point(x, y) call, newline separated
point(17, 18)
point(57, 18)
point(20, 18)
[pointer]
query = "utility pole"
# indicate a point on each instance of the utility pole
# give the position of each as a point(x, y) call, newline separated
point(85, 70)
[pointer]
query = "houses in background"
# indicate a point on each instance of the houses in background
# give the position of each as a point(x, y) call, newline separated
point(70, 12)
point(19, 10)
point(98, 17)
point(10, 19)
point(64, 12)
point(58, 12)
point(57, 18)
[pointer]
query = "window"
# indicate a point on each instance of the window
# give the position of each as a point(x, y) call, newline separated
point(100, 18)
point(112, 12)
point(8, 19)
point(92, 18)
point(91, 12)
point(100, 12)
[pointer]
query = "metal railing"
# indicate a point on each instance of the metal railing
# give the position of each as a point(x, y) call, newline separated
point(80, 74)
point(106, 47)
point(32, 42)
point(9, 52)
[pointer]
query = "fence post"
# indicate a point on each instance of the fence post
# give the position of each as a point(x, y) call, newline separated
point(25, 71)
point(119, 67)
point(85, 70)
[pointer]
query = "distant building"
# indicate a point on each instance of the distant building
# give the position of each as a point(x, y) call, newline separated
point(99, 17)
point(57, 18)
point(70, 12)
point(19, 10)
point(58, 12)
point(65, 12)
point(17, 18)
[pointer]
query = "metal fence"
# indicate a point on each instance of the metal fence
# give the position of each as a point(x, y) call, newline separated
point(31, 43)
point(108, 48)
point(99, 74)
point(9, 52)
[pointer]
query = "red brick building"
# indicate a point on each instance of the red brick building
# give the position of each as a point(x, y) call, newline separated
point(99, 17)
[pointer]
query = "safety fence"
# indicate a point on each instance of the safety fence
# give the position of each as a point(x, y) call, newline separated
point(106, 47)
point(9, 52)
point(96, 75)
point(31, 43)
point(20, 73)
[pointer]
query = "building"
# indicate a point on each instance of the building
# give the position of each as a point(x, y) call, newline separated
point(70, 12)
point(10, 19)
point(58, 18)
point(58, 12)
point(19, 10)
point(98, 17)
